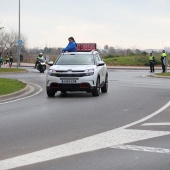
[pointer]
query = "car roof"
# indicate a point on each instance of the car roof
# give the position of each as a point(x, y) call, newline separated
point(91, 52)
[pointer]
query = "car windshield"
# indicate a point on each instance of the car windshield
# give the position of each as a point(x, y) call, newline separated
point(75, 59)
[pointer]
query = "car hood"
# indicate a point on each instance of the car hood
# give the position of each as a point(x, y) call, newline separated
point(72, 67)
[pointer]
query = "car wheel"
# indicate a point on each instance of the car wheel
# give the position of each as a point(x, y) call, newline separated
point(104, 89)
point(96, 91)
point(50, 93)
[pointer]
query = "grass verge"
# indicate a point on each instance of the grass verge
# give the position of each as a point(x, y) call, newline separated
point(133, 60)
point(8, 86)
point(163, 74)
point(9, 70)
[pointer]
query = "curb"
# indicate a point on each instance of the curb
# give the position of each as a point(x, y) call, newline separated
point(155, 76)
point(18, 93)
point(26, 71)
point(131, 68)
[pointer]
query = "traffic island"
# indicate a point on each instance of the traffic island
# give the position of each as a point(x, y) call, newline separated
point(12, 70)
point(14, 94)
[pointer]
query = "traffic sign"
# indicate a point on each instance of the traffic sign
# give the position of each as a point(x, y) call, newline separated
point(20, 42)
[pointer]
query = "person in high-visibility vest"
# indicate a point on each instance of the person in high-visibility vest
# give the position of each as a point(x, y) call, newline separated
point(40, 56)
point(163, 58)
point(7, 58)
point(151, 62)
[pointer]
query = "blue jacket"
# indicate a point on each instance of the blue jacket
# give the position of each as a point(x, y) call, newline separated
point(71, 47)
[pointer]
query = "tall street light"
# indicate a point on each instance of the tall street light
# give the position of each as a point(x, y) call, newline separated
point(19, 41)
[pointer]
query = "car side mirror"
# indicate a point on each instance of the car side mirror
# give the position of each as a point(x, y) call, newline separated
point(101, 63)
point(50, 63)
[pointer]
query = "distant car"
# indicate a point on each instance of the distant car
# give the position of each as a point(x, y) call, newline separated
point(77, 71)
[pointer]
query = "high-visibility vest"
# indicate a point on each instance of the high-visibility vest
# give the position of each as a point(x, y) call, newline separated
point(163, 55)
point(7, 57)
point(39, 58)
point(151, 58)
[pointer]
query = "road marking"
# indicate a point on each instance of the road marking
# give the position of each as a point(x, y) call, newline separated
point(142, 148)
point(107, 139)
point(147, 117)
point(100, 141)
point(22, 98)
point(157, 124)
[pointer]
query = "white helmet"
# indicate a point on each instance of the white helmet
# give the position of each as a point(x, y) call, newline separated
point(40, 54)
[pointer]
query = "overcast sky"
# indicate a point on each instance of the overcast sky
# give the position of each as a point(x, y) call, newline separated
point(119, 23)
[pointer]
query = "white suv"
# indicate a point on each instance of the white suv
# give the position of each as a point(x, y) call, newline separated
point(77, 71)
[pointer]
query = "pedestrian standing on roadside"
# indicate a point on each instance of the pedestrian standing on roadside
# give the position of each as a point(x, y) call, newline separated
point(163, 60)
point(1, 59)
point(10, 58)
point(7, 58)
point(151, 62)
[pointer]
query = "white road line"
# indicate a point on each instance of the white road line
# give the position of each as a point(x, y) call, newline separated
point(107, 139)
point(147, 117)
point(104, 140)
point(22, 98)
point(142, 148)
point(157, 124)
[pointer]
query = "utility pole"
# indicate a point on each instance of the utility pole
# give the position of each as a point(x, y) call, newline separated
point(19, 41)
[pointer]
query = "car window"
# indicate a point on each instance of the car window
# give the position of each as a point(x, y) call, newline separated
point(75, 59)
point(97, 58)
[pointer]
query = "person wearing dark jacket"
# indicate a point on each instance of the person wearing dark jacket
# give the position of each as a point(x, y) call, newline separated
point(10, 58)
point(72, 46)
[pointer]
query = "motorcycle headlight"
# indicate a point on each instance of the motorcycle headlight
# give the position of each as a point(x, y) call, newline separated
point(89, 72)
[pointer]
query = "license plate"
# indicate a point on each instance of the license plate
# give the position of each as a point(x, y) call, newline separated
point(68, 81)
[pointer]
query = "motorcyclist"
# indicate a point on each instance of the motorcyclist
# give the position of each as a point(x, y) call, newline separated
point(39, 58)
point(72, 46)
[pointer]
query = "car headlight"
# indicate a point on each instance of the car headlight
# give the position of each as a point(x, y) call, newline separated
point(89, 72)
point(51, 72)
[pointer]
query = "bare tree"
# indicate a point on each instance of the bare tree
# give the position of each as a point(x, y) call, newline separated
point(9, 41)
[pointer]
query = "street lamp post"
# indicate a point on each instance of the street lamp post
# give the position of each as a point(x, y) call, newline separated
point(19, 36)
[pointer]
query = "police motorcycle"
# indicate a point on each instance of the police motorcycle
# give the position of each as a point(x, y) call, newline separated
point(41, 65)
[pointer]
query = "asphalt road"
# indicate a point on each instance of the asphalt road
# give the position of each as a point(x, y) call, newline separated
point(127, 129)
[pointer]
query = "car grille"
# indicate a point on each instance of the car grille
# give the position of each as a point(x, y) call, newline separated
point(71, 75)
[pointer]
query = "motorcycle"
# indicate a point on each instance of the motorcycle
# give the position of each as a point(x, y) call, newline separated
point(41, 65)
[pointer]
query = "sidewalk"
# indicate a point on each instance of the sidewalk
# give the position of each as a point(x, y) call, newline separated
point(21, 65)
